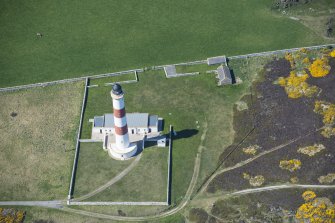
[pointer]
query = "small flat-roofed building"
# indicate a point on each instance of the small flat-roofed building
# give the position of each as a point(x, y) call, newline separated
point(217, 60)
point(137, 123)
point(224, 75)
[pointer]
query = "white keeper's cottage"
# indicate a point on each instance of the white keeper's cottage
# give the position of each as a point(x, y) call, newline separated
point(138, 123)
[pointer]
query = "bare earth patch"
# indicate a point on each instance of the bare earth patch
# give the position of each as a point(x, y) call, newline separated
point(37, 134)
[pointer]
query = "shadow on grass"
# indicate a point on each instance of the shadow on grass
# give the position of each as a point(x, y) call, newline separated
point(233, 78)
point(186, 133)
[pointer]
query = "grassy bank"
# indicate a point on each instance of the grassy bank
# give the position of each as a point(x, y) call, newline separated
point(81, 38)
point(37, 134)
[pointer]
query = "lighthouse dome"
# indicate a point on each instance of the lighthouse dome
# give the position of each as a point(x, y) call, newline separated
point(117, 89)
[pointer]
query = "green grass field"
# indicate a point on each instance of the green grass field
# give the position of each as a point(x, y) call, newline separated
point(146, 182)
point(95, 168)
point(37, 145)
point(85, 37)
point(47, 215)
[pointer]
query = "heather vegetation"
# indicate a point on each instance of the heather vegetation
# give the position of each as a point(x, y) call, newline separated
point(9, 215)
point(284, 137)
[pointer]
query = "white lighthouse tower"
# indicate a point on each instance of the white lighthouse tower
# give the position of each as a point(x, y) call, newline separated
point(122, 149)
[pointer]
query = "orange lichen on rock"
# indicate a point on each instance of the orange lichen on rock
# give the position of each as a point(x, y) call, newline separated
point(11, 215)
point(308, 195)
point(255, 181)
point(289, 57)
point(306, 61)
point(328, 132)
point(251, 150)
point(332, 54)
point(315, 209)
point(290, 165)
point(303, 50)
point(327, 179)
point(320, 67)
point(294, 180)
point(311, 150)
point(296, 85)
point(327, 110)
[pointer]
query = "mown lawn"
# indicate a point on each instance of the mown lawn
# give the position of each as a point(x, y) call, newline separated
point(146, 182)
point(37, 134)
point(95, 168)
point(86, 37)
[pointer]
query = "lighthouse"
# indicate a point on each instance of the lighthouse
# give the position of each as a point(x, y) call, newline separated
point(122, 149)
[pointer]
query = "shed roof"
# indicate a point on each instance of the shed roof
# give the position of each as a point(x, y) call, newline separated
point(153, 120)
point(224, 75)
point(98, 121)
point(217, 60)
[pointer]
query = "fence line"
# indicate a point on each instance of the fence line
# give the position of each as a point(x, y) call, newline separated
point(168, 190)
point(160, 67)
point(278, 51)
point(109, 203)
point(75, 160)
point(44, 84)
point(90, 140)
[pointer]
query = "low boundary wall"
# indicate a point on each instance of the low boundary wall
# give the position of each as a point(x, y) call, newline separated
point(160, 67)
point(169, 179)
point(278, 52)
point(44, 84)
point(75, 160)
point(94, 203)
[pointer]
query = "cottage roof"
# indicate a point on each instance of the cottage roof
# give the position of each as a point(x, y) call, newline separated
point(137, 119)
point(133, 120)
point(109, 120)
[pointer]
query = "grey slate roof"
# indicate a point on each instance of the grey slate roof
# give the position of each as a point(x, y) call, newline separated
point(137, 119)
point(133, 120)
point(170, 70)
point(216, 60)
point(224, 75)
point(99, 121)
point(153, 120)
point(109, 120)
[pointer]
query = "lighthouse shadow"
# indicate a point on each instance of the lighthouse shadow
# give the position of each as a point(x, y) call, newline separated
point(139, 148)
point(186, 133)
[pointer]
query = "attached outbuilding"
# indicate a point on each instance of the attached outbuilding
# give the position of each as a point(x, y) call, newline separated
point(224, 75)
point(138, 123)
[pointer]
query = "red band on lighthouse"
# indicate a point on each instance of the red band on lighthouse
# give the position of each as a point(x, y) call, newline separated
point(119, 113)
point(121, 130)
